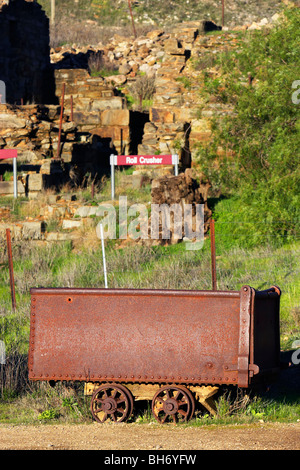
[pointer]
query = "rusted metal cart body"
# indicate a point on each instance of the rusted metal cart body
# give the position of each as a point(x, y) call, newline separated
point(178, 343)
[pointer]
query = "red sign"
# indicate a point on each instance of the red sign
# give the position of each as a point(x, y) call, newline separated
point(8, 153)
point(145, 160)
point(133, 160)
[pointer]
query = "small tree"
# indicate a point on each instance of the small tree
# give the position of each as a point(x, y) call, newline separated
point(143, 89)
point(260, 140)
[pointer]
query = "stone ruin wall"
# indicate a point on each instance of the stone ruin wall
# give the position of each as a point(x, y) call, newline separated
point(25, 53)
point(102, 123)
point(96, 108)
point(172, 124)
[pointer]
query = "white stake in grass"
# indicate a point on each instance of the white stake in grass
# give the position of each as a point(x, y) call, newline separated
point(103, 255)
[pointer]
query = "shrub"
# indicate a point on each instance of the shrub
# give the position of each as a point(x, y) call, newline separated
point(260, 139)
point(100, 65)
point(143, 89)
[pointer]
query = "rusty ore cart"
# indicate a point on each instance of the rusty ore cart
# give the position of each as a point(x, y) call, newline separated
point(169, 346)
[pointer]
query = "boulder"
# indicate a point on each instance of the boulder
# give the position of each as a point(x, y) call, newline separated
point(115, 117)
point(32, 230)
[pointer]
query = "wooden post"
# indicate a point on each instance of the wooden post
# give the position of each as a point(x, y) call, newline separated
point(52, 12)
point(223, 12)
point(60, 120)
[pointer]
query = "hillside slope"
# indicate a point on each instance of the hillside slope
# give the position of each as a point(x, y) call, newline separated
point(155, 12)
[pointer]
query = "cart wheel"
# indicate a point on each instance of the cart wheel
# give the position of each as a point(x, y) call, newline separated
point(111, 401)
point(173, 403)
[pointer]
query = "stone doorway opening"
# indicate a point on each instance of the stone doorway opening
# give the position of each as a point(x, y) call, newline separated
point(137, 123)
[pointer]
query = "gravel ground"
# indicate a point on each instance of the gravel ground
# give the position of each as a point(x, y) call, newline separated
point(150, 437)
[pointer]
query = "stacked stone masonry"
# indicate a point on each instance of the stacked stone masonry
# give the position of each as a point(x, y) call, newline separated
point(97, 120)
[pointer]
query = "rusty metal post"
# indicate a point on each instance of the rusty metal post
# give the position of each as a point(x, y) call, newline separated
point(11, 269)
point(132, 20)
point(60, 120)
point(213, 255)
point(223, 12)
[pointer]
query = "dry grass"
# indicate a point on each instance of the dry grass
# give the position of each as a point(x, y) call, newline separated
point(81, 33)
point(99, 65)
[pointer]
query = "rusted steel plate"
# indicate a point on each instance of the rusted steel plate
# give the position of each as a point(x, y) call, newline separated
point(152, 336)
point(135, 335)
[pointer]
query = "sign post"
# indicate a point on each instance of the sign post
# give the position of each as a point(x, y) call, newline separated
point(7, 154)
point(133, 160)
